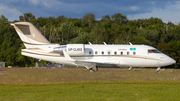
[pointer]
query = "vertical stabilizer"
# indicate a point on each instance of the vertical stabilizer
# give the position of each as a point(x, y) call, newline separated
point(29, 34)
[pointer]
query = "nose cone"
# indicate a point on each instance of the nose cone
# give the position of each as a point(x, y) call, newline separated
point(171, 61)
point(166, 61)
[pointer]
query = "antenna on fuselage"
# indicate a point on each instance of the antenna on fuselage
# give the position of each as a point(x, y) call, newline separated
point(104, 43)
point(90, 43)
point(130, 43)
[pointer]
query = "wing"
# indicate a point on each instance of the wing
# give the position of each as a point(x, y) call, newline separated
point(88, 64)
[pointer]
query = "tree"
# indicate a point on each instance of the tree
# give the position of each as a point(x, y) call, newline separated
point(3, 20)
point(26, 17)
point(67, 30)
point(106, 18)
point(88, 20)
point(122, 35)
point(41, 21)
point(82, 38)
point(23, 61)
point(119, 18)
point(167, 48)
point(106, 21)
point(97, 34)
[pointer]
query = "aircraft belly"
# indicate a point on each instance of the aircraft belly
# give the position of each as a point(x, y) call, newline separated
point(99, 59)
point(137, 62)
point(115, 61)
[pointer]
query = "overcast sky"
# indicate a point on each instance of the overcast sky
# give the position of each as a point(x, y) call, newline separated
point(167, 10)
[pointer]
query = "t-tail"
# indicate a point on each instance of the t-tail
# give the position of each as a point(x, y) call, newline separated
point(30, 36)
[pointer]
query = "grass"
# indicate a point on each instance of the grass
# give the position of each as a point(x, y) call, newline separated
point(91, 91)
point(22, 84)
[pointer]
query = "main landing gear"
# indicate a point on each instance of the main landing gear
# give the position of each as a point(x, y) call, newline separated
point(94, 69)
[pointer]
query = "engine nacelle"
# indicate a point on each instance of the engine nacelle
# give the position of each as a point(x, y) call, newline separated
point(71, 49)
point(75, 49)
point(59, 49)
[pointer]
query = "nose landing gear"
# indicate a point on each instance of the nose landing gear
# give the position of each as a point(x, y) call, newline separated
point(158, 70)
point(130, 68)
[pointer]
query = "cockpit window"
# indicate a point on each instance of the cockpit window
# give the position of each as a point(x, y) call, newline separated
point(153, 51)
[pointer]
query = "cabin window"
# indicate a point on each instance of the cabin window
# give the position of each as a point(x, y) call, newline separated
point(153, 51)
point(102, 52)
point(115, 53)
point(109, 53)
point(121, 53)
point(90, 52)
point(127, 53)
point(96, 52)
point(134, 53)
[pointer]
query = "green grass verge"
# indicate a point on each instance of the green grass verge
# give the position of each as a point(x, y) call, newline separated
point(91, 92)
point(24, 84)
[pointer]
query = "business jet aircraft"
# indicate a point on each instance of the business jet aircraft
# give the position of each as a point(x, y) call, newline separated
point(89, 55)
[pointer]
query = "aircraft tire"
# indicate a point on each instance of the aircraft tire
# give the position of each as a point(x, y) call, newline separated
point(94, 69)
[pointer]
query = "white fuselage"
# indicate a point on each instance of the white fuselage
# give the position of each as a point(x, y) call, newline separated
point(103, 55)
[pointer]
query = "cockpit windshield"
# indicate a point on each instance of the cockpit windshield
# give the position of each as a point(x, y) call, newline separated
point(153, 51)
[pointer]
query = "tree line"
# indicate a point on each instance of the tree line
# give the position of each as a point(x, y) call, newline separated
point(115, 29)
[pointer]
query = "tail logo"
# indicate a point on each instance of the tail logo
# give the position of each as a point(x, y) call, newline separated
point(33, 35)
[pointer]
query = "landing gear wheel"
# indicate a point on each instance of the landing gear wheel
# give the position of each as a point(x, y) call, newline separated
point(91, 70)
point(94, 69)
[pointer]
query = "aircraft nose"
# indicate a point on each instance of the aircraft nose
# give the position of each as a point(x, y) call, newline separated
point(172, 61)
